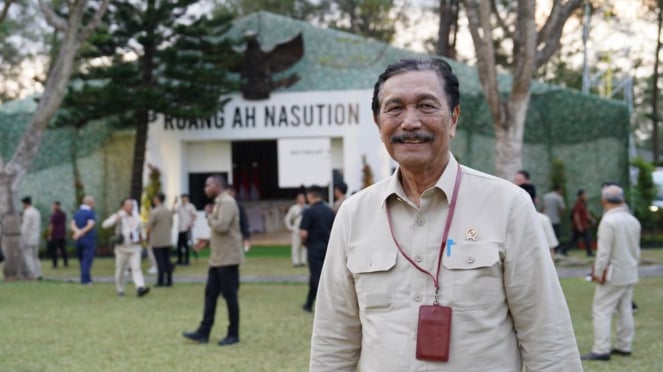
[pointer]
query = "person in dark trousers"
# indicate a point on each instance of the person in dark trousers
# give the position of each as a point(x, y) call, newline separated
point(186, 218)
point(581, 221)
point(159, 227)
point(225, 243)
point(84, 233)
point(57, 233)
point(315, 228)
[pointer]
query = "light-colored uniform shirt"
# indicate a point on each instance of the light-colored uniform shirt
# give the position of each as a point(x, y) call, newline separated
point(548, 231)
point(225, 234)
point(185, 215)
point(293, 218)
point(508, 306)
point(553, 205)
point(129, 225)
point(618, 246)
point(31, 226)
point(160, 224)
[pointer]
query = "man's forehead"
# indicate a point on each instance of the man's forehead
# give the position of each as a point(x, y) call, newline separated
point(413, 83)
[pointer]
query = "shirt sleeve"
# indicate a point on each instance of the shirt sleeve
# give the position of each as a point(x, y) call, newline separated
point(606, 236)
point(336, 340)
point(222, 217)
point(305, 224)
point(536, 302)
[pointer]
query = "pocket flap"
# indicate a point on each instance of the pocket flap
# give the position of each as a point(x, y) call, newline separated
point(369, 261)
point(471, 256)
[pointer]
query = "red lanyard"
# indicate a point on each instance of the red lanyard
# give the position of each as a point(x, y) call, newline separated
point(445, 235)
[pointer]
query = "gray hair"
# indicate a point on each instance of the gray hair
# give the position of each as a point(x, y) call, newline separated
point(613, 194)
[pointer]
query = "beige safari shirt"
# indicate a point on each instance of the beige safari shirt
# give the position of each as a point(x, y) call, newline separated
point(160, 224)
point(618, 246)
point(225, 235)
point(508, 307)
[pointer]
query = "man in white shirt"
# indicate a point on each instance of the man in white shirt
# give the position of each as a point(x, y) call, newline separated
point(553, 207)
point(30, 233)
point(186, 217)
point(292, 220)
point(545, 221)
point(615, 273)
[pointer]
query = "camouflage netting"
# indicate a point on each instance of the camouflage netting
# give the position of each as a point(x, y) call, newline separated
point(104, 160)
point(589, 134)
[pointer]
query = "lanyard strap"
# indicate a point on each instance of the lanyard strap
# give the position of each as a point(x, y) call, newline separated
point(445, 235)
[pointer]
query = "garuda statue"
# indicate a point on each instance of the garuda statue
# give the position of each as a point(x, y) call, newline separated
point(257, 65)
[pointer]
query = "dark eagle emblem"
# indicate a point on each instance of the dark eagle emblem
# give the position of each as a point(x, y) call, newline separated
point(257, 66)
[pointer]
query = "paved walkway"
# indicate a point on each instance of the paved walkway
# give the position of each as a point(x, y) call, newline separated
point(564, 272)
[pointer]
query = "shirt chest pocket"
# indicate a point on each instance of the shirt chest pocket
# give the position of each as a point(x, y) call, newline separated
point(473, 276)
point(372, 271)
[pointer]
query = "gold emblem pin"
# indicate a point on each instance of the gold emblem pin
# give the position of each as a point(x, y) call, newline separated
point(471, 234)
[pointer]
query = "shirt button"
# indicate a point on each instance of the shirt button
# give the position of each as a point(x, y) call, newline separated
point(421, 222)
point(469, 259)
point(417, 298)
point(418, 258)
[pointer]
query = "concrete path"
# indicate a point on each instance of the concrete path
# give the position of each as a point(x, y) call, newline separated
point(564, 272)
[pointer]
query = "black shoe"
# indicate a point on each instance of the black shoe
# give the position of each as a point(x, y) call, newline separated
point(307, 308)
point(620, 352)
point(142, 291)
point(196, 336)
point(229, 340)
point(592, 356)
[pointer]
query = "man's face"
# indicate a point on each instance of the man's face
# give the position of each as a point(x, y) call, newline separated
point(128, 206)
point(311, 197)
point(55, 207)
point(414, 120)
point(211, 188)
point(185, 199)
point(519, 179)
point(301, 199)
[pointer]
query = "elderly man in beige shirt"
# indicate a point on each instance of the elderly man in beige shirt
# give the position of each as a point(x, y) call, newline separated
point(414, 282)
point(615, 272)
point(226, 254)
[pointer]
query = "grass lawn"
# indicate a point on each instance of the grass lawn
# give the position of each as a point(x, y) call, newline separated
point(60, 326)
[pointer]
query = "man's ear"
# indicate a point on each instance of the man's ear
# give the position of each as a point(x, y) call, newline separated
point(455, 115)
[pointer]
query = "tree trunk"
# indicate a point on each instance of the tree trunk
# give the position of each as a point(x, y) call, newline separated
point(447, 28)
point(12, 173)
point(509, 137)
point(10, 232)
point(655, 146)
point(142, 121)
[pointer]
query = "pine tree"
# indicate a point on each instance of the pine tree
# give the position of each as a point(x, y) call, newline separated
point(155, 58)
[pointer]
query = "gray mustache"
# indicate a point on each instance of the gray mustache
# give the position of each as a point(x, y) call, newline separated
point(416, 136)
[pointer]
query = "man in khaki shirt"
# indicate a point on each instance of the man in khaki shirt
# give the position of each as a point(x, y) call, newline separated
point(226, 254)
point(507, 307)
point(159, 228)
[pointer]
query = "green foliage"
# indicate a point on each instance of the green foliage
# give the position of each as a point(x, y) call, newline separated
point(558, 175)
point(643, 192)
point(152, 188)
point(297, 9)
point(151, 57)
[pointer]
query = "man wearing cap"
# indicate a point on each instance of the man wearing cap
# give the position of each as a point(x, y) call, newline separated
point(439, 267)
point(30, 232)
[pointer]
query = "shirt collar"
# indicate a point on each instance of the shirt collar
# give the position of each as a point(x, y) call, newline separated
point(621, 208)
point(445, 183)
point(86, 207)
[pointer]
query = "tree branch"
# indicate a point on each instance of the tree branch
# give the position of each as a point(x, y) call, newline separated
point(94, 22)
point(500, 21)
point(478, 15)
point(5, 9)
point(551, 32)
point(524, 50)
point(51, 18)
